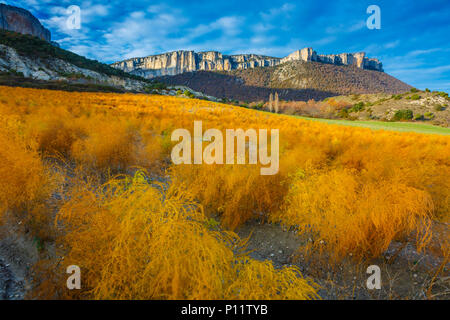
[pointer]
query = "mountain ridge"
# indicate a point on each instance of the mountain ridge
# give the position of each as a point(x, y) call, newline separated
point(293, 80)
point(180, 61)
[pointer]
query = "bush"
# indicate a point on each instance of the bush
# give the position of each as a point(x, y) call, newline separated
point(357, 107)
point(109, 146)
point(25, 185)
point(343, 113)
point(237, 200)
point(414, 90)
point(403, 115)
point(345, 214)
point(438, 107)
point(189, 94)
point(419, 117)
point(155, 86)
point(257, 106)
point(134, 241)
point(429, 115)
point(415, 97)
point(443, 94)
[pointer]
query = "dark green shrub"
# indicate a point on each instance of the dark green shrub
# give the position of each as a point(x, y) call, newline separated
point(441, 93)
point(403, 115)
point(429, 115)
point(156, 86)
point(343, 113)
point(189, 94)
point(357, 107)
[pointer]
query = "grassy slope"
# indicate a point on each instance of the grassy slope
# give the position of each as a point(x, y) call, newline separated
point(294, 80)
point(30, 46)
point(393, 126)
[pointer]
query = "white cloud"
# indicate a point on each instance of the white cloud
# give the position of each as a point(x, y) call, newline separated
point(275, 13)
point(324, 41)
point(345, 28)
point(229, 25)
point(391, 45)
point(422, 52)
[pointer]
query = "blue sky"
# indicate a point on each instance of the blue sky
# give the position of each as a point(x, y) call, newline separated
point(413, 42)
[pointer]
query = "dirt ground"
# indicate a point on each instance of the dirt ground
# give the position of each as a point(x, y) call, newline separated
point(17, 255)
point(407, 276)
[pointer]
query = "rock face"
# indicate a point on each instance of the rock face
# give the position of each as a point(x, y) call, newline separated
point(177, 62)
point(22, 21)
point(358, 59)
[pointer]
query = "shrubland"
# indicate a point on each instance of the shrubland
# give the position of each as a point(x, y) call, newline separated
point(94, 171)
point(135, 241)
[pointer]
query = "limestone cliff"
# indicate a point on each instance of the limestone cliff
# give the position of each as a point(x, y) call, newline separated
point(22, 21)
point(177, 62)
point(358, 59)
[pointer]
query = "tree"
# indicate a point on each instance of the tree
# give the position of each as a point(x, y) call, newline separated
point(270, 102)
point(276, 103)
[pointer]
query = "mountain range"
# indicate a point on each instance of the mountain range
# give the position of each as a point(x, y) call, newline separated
point(177, 62)
point(26, 49)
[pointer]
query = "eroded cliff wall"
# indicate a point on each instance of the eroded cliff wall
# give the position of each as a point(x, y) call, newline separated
point(177, 62)
point(22, 21)
point(358, 59)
